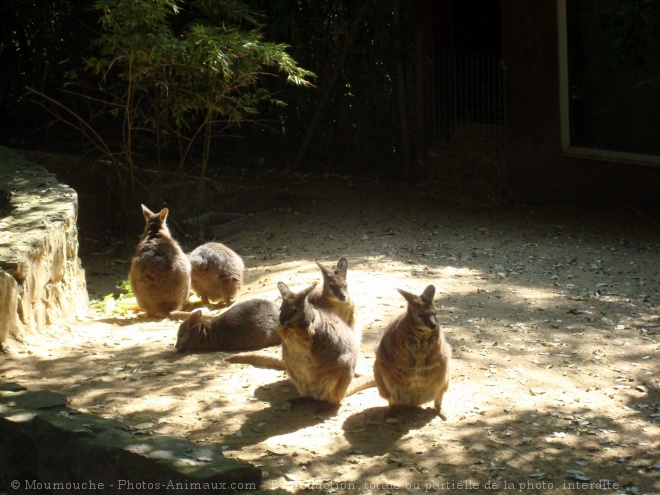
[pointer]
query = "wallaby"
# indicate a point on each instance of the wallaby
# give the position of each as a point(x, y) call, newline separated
point(412, 358)
point(160, 270)
point(319, 350)
point(245, 326)
point(333, 296)
point(216, 273)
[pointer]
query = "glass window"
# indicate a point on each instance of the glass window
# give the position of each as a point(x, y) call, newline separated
point(614, 74)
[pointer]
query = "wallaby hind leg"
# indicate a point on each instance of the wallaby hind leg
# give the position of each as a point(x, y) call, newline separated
point(399, 411)
point(323, 407)
point(338, 391)
point(382, 385)
point(438, 403)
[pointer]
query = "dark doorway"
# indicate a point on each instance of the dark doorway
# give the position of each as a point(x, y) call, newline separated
point(464, 94)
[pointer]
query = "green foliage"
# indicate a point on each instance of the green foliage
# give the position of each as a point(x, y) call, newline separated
point(633, 31)
point(175, 74)
point(117, 305)
point(170, 76)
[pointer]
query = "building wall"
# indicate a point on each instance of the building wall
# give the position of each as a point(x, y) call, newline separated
point(538, 170)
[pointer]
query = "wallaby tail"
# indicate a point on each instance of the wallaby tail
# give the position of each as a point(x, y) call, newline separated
point(360, 382)
point(178, 315)
point(256, 359)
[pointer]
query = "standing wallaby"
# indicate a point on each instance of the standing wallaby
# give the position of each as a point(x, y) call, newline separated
point(333, 296)
point(217, 273)
point(412, 358)
point(245, 326)
point(160, 270)
point(319, 350)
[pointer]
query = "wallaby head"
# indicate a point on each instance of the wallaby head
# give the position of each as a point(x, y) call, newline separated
point(295, 312)
point(334, 281)
point(155, 222)
point(421, 309)
point(191, 331)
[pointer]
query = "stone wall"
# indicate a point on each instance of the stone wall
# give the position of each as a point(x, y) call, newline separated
point(41, 277)
point(46, 447)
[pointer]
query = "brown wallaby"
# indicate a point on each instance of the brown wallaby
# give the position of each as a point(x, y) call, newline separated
point(333, 296)
point(216, 273)
point(245, 326)
point(160, 270)
point(319, 350)
point(412, 358)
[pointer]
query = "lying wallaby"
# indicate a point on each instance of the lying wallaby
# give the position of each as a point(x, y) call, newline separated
point(245, 326)
point(216, 273)
point(333, 296)
point(412, 358)
point(160, 270)
point(319, 351)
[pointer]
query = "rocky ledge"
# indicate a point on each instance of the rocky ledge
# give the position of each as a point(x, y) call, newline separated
point(46, 447)
point(41, 277)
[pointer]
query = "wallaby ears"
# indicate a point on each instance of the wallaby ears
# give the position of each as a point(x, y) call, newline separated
point(309, 289)
point(325, 271)
point(146, 212)
point(284, 290)
point(427, 295)
point(411, 298)
point(196, 317)
point(342, 267)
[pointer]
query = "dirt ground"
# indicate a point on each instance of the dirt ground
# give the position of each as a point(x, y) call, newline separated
point(552, 314)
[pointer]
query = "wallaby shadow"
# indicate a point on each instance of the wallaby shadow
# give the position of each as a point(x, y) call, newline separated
point(124, 321)
point(171, 355)
point(282, 394)
point(287, 413)
point(136, 318)
point(381, 427)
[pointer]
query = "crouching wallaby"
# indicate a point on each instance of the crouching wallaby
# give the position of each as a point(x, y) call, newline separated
point(319, 350)
point(245, 326)
point(216, 273)
point(333, 296)
point(412, 358)
point(160, 270)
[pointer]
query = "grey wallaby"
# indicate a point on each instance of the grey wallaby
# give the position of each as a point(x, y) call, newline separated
point(334, 296)
point(160, 270)
point(319, 350)
point(216, 273)
point(246, 326)
point(412, 358)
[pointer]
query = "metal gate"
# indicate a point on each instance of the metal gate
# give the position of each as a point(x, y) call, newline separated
point(465, 124)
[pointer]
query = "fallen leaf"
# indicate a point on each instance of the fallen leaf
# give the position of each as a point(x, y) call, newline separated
point(578, 475)
point(144, 426)
point(538, 474)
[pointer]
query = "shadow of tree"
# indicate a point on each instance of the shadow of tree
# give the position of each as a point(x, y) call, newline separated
point(539, 451)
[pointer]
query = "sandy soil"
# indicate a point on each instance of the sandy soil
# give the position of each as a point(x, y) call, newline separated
point(552, 315)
